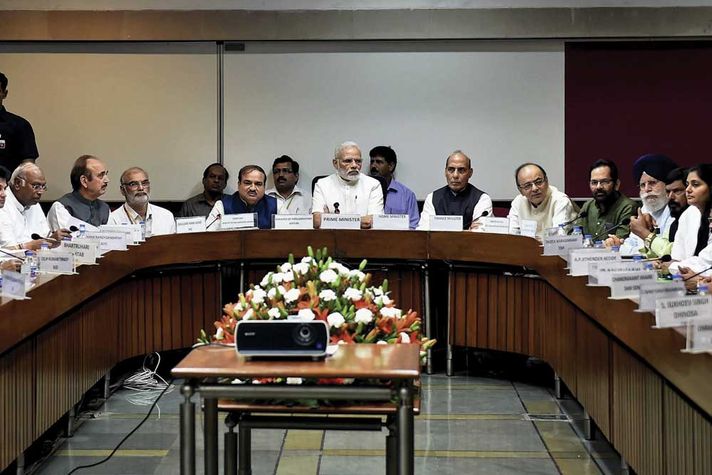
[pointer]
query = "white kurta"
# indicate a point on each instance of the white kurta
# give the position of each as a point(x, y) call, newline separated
point(685, 242)
point(484, 204)
point(158, 220)
point(17, 223)
point(297, 203)
point(633, 243)
point(364, 197)
point(556, 209)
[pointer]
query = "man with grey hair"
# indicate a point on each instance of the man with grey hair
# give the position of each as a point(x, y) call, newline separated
point(22, 216)
point(348, 191)
point(136, 188)
point(458, 197)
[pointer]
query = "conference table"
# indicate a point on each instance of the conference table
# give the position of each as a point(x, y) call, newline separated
point(476, 290)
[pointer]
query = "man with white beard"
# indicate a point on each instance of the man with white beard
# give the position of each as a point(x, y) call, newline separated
point(136, 188)
point(650, 171)
point(348, 191)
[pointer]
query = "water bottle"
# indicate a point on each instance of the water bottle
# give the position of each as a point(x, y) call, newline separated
point(588, 240)
point(676, 277)
point(31, 262)
point(615, 248)
point(82, 230)
point(598, 244)
point(637, 258)
point(703, 288)
point(562, 230)
point(578, 230)
point(648, 266)
point(143, 229)
point(44, 246)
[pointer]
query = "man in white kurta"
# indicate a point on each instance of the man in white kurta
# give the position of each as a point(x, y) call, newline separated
point(348, 191)
point(136, 188)
point(538, 201)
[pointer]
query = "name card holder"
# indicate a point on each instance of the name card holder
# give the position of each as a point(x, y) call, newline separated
point(494, 225)
point(340, 221)
point(233, 222)
point(56, 262)
point(599, 273)
point(650, 293)
point(579, 259)
point(292, 221)
point(626, 285)
point(561, 245)
point(14, 285)
point(440, 222)
point(392, 222)
point(678, 311)
point(527, 227)
point(134, 233)
point(192, 224)
point(108, 240)
point(85, 251)
point(699, 336)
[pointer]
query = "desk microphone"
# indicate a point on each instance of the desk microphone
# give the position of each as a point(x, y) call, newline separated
point(484, 213)
point(213, 221)
point(12, 255)
point(336, 208)
point(73, 228)
point(695, 275)
point(605, 232)
point(581, 215)
point(48, 239)
point(665, 258)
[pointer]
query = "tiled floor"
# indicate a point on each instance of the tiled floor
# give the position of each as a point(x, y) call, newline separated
point(468, 425)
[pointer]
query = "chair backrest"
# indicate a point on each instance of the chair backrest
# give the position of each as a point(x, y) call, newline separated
point(315, 179)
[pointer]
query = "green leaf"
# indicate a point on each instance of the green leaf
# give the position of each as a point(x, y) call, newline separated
point(384, 286)
point(362, 265)
point(290, 259)
point(310, 252)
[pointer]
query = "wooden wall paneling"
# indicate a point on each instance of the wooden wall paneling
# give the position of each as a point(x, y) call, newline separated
point(190, 318)
point(702, 443)
point(637, 412)
point(479, 305)
point(473, 315)
point(165, 315)
point(678, 434)
point(212, 291)
point(99, 337)
point(145, 316)
point(558, 339)
point(513, 288)
point(17, 393)
point(593, 372)
point(153, 318)
point(179, 318)
point(498, 309)
point(458, 308)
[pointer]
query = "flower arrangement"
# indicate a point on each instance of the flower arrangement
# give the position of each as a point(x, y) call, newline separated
point(319, 288)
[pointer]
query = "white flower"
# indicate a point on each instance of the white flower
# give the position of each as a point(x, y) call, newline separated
point(327, 295)
point(335, 320)
point(306, 315)
point(286, 267)
point(294, 380)
point(377, 291)
point(301, 268)
point(288, 276)
point(219, 334)
point(277, 278)
point(265, 280)
point(391, 312)
point(357, 273)
point(382, 300)
point(404, 337)
point(363, 315)
point(239, 307)
point(291, 295)
point(328, 276)
point(340, 268)
point(271, 293)
point(381, 342)
point(249, 314)
point(273, 312)
point(258, 295)
point(353, 294)
point(306, 260)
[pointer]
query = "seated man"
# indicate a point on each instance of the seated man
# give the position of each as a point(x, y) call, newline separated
point(399, 198)
point(348, 191)
point(136, 188)
point(249, 198)
point(658, 242)
point(538, 200)
point(609, 211)
point(290, 197)
point(6, 262)
point(215, 178)
point(22, 215)
point(458, 197)
point(90, 179)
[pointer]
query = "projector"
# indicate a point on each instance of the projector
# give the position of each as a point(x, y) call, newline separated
point(281, 338)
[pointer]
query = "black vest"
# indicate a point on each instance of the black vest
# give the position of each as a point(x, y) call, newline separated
point(462, 203)
point(94, 212)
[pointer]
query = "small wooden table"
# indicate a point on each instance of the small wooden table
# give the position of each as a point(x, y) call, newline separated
point(203, 366)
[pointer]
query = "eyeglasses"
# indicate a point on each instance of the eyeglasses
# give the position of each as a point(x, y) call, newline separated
point(133, 185)
point(604, 182)
point(35, 186)
point(649, 183)
point(530, 184)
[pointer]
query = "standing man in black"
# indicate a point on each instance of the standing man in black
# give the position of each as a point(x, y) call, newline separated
point(17, 140)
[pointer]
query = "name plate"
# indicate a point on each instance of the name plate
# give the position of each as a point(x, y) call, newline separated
point(193, 224)
point(340, 221)
point(626, 285)
point(699, 336)
point(494, 225)
point(85, 251)
point(561, 245)
point(650, 293)
point(599, 273)
point(579, 259)
point(56, 262)
point(678, 311)
point(108, 240)
point(527, 227)
point(231, 222)
point(134, 233)
point(445, 223)
point(391, 221)
point(293, 221)
point(13, 285)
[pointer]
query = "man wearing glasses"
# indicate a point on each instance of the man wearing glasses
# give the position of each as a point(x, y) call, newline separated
point(290, 197)
point(22, 215)
point(136, 188)
point(607, 212)
point(539, 201)
point(90, 179)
